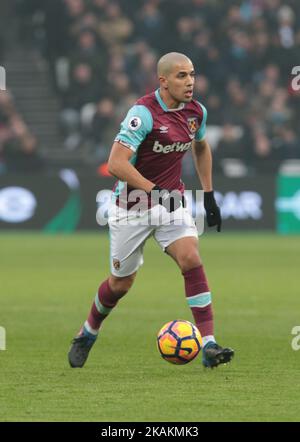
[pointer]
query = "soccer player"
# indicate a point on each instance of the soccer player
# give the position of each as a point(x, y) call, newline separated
point(146, 156)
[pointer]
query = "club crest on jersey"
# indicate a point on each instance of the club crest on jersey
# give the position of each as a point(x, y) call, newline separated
point(134, 123)
point(192, 123)
point(116, 264)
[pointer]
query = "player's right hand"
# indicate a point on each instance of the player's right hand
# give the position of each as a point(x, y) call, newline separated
point(170, 200)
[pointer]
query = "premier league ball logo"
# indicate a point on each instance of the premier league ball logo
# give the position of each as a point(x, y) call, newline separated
point(134, 123)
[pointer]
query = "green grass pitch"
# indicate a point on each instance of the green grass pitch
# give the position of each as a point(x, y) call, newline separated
point(47, 286)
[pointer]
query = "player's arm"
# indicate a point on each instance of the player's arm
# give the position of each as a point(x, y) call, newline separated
point(134, 129)
point(119, 165)
point(202, 154)
point(203, 163)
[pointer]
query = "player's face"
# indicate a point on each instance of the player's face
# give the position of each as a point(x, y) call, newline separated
point(180, 82)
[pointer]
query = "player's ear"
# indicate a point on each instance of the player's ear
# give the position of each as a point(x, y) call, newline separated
point(163, 82)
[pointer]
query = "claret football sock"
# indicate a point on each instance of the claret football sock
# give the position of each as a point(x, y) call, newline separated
point(105, 301)
point(199, 300)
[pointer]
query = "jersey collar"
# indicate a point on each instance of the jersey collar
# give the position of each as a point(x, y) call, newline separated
point(164, 106)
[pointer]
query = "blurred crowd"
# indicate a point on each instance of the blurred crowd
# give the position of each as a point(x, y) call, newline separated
point(103, 55)
point(18, 146)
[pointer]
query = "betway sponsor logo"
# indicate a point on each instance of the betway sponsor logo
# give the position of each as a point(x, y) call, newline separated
point(175, 147)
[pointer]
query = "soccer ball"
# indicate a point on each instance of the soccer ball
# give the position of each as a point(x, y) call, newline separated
point(179, 342)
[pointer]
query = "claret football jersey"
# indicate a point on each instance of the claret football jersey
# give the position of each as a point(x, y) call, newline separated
point(159, 138)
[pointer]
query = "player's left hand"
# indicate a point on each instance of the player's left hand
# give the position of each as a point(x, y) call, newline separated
point(170, 200)
point(213, 214)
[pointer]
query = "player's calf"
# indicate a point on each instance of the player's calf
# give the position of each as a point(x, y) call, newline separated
point(107, 297)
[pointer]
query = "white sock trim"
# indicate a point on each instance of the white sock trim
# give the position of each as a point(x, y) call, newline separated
point(90, 329)
point(208, 338)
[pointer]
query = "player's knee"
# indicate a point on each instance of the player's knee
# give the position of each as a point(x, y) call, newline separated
point(189, 260)
point(121, 285)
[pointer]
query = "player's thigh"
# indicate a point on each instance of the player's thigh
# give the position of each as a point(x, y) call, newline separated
point(127, 241)
point(179, 238)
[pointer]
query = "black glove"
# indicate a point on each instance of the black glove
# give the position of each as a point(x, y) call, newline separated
point(213, 214)
point(163, 197)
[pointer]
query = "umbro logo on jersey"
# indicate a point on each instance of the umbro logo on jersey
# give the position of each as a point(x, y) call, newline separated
point(163, 129)
point(175, 147)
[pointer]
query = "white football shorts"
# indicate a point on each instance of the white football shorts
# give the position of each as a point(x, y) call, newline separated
point(129, 230)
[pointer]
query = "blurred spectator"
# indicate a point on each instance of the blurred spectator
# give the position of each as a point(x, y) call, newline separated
point(84, 88)
point(150, 24)
point(20, 154)
point(102, 129)
point(18, 147)
point(114, 27)
point(263, 154)
point(289, 144)
point(231, 147)
point(145, 79)
point(91, 50)
point(237, 105)
point(185, 30)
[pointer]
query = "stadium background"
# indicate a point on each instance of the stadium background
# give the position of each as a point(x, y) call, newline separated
point(73, 68)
